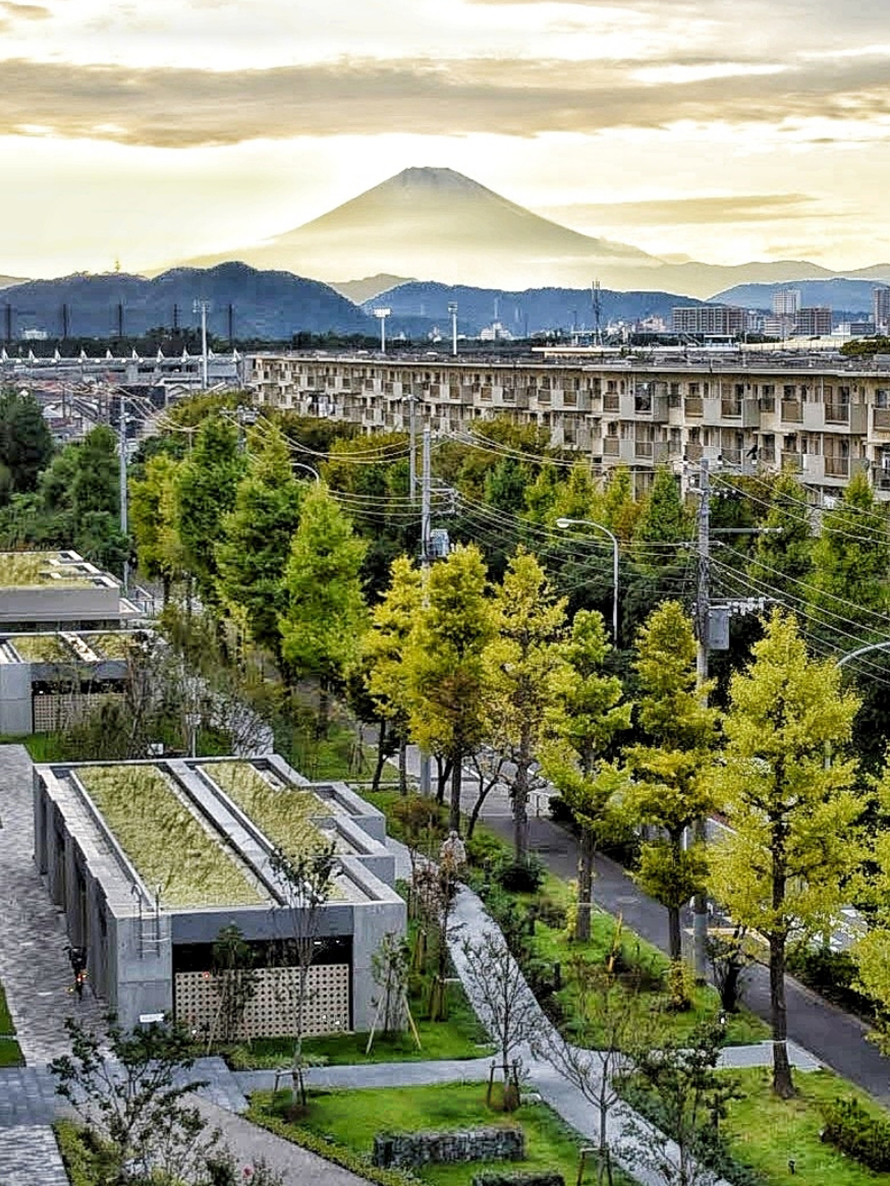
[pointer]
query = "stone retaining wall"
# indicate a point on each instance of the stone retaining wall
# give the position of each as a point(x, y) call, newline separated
point(405, 1150)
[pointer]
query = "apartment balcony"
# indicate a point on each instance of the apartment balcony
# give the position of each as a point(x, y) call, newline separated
point(881, 419)
point(813, 467)
point(694, 406)
point(712, 411)
point(792, 461)
point(643, 450)
point(611, 401)
point(837, 467)
point(661, 409)
point(792, 411)
point(731, 409)
point(611, 447)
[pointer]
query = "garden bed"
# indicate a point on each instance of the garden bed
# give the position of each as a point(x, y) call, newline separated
point(343, 1124)
point(283, 814)
point(10, 1051)
point(167, 843)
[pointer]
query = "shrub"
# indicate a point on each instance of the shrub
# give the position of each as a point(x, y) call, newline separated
point(561, 813)
point(831, 973)
point(858, 1133)
point(521, 877)
point(680, 987)
point(483, 850)
point(550, 912)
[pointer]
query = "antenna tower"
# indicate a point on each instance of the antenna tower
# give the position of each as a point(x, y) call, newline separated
point(597, 310)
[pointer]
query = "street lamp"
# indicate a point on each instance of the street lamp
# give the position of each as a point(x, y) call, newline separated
point(873, 646)
point(381, 315)
point(563, 524)
point(452, 309)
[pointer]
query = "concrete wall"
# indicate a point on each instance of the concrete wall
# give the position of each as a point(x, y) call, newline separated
point(60, 604)
point(15, 698)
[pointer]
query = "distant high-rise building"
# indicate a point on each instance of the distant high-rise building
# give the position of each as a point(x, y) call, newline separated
point(720, 320)
point(813, 322)
point(880, 303)
point(786, 302)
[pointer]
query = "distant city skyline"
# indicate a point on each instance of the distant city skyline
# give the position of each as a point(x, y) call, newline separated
point(147, 133)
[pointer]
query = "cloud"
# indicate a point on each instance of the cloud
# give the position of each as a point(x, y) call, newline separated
point(24, 12)
point(688, 211)
point(172, 107)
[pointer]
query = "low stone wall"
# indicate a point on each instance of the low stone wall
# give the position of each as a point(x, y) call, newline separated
point(405, 1150)
point(517, 1178)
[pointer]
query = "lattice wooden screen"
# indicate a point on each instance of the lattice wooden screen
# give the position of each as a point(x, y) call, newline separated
point(52, 712)
point(270, 1012)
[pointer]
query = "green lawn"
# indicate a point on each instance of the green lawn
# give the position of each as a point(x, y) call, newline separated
point(351, 1119)
point(10, 1052)
point(765, 1132)
point(460, 1036)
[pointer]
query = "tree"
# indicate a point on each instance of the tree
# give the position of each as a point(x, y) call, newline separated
point(307, 880)
point(26, 444)
point(384, 646)
point(670, 790)
point(794, 838)
point(589, 718)
point(95, 484)
point(234, 982)
point(663, 518)
point(324, 611)
point(206, 482)
point(679, 1082)
point(620, 509)
point(524, 660)
point(256, 539)
point(446, 662)
point(506, 1004)
point(152, 520)
point(131, 1086)
point(783, 558)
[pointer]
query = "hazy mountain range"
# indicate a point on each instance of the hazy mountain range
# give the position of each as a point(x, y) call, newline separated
point(439, 225)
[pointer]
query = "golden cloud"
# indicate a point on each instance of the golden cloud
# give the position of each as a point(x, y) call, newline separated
point(170, 107)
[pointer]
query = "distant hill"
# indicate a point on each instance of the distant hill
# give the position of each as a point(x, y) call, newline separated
point(272, 305)
point(852, 295)
point(362, 290)
point(5, 281)
point(418, 306)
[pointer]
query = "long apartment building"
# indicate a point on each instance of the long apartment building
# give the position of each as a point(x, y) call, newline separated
point(825, 419)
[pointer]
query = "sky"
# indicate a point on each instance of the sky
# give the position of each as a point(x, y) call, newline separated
point(141, 133)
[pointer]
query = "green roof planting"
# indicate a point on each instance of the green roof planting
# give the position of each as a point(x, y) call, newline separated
point(32, 569)
point(115, 644)
point(43, 648)
point(283, 813)
point(168, 844)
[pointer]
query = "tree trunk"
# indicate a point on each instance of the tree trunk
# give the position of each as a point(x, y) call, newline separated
point(444, 773)
point(403, 765)
point(324, 708)
point(675, 940)
point(477, 806)
point(520, 812)
point(585, 886)
point(381, 755)
point(782, 1082)
point(456, 782)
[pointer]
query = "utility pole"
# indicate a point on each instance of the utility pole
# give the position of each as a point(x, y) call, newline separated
point(452, 309)
point(425, 568)
point(412, 436)
point(123, 488)
point(202, 308)
point(702, 628)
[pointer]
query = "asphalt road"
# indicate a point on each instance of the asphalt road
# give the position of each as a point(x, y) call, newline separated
point(836, 1038)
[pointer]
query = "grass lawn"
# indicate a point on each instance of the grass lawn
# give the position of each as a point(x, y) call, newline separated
point(353, 1118)
point(460, 1036)
point(10, 1052)
point(766, 1132)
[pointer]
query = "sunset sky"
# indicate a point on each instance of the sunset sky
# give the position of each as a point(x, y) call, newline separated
point(149, 131)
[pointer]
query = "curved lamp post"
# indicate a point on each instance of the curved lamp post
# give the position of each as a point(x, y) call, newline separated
point(564, 523)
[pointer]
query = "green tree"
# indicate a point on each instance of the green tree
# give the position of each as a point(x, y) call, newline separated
point(95, 484)
point(793, 816)
point(446, 658)
point(385, 646)
point(663, 518)
point(671, 790)
point(256, 539)
point(26, 445)
point(589, 718)
point(152, 510)
point(524, 660)
point(205, 492)
point(620, 510)
point(851, 562)
point(784, 556)
point(324, 613)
